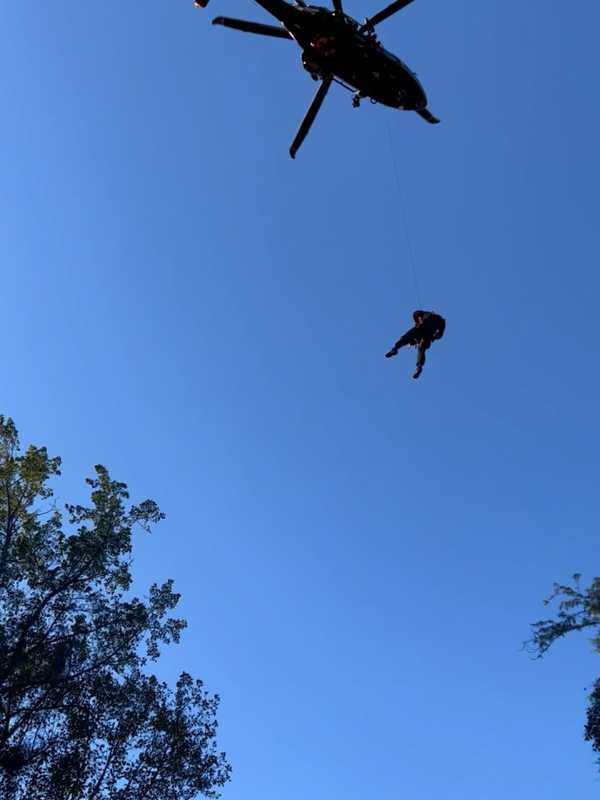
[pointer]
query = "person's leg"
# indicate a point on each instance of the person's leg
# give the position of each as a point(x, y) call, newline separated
point(422, 347)
point(403, 341)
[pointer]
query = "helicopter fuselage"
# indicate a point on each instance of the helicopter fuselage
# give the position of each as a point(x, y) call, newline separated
point(335, 47)
point(333, 43)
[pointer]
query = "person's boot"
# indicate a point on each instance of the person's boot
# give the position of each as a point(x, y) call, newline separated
point(392, 352)
point(418, 372)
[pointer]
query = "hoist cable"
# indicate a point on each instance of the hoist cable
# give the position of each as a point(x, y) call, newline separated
point(411, 255)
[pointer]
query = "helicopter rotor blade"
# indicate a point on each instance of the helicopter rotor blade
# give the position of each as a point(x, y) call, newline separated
point(311, 114)
point(252, 27)
point(386, 12)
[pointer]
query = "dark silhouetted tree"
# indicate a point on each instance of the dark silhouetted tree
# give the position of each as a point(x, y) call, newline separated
point(81, 717)
point(578, 610)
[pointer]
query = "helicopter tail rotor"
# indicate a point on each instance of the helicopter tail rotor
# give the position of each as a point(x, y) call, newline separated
point(311, 114)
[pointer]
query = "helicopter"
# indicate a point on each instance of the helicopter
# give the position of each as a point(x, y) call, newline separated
point(337, 48)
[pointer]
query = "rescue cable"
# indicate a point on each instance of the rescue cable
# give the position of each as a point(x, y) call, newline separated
point(411, 256)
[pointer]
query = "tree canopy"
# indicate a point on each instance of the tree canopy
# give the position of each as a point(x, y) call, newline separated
point(80, 714)
point(578, 609)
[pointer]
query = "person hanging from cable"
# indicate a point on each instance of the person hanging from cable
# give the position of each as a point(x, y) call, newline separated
point(428, 328)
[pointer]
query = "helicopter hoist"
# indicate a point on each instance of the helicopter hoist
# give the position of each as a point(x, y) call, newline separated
point(337, 48)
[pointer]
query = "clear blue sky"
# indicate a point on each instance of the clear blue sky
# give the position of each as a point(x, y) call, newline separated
point(359, 554)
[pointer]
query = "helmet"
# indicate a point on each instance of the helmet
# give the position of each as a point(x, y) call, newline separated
point(417, 314)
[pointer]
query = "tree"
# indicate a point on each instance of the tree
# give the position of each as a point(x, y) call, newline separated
point(578, 609)
point(80, 716)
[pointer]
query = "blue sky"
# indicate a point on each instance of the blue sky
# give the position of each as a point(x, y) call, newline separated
point(359, 554)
